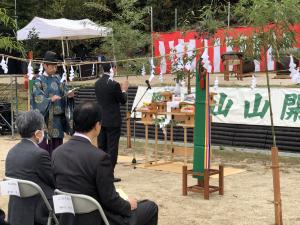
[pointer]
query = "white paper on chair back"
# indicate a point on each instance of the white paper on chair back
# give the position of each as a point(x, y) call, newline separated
point(9, 187)
point(63, 204)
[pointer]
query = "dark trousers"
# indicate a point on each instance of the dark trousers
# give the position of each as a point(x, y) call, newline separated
point(145, 214)
point(108, 141)
point(51, 145)
point(30, 210)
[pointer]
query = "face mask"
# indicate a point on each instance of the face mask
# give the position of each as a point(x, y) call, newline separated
point(111, 74)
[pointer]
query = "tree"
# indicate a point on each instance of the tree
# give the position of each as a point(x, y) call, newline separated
point(7, 42)
point(273, 28)
point(128, 39)
point(273, 23)
point(206, 26)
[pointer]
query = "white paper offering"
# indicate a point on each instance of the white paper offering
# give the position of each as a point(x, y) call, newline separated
point(63, 204)
point(9, 187)
point(122, 193)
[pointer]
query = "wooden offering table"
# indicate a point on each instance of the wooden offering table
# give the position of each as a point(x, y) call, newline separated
point(182, 116)
point(147, 119)
point(234, 59)
point(184, 119)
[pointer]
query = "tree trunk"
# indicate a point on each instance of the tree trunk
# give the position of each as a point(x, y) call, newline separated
point(270, 102)
point(189, 89)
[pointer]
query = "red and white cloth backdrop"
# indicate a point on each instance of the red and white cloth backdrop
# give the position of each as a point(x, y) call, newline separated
point(164, 43)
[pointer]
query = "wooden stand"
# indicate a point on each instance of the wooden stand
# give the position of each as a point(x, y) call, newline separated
point(233, 59)
point(203, 186)
point(147, 119)
point(160, 106)
point(167, 95)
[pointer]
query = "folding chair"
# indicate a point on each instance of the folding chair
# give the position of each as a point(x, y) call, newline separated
point(84, 204)
point(29, 189)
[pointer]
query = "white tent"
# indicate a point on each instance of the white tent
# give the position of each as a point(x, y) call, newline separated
point(63, 29)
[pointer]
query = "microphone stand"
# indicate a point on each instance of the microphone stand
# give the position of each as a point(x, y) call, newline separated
point(134, 119)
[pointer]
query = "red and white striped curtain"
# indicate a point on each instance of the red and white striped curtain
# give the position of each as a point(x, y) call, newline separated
point(165, 43)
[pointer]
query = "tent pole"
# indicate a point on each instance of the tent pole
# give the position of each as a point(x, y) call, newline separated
point(151, 11)
point(114, 55)
point(228, 16)
point(67, 43)
point(63, 48)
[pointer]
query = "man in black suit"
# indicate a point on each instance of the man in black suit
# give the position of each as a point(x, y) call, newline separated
point(28, 161)
point(79, 167)
point(110, 94)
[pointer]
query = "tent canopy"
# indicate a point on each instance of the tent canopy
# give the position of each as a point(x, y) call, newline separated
point(63, 29)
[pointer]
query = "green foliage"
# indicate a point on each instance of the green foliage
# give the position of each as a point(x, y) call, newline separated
point(280, 16)
point(32, 42)
point(128, 40)
point(129, 18)
point(130, 14)
point(157, 97)
point(59, 7)
point(8, 43)
point(179, 70)
point(209, 18)
point(273, 28)
point(100, 7)
point(187, 11)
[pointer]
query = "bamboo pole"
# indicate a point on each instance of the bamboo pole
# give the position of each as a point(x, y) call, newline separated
point(276, 186)
point(275, 160)
point(11, 108)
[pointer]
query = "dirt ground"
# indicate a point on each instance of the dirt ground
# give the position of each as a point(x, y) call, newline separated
point(248, 197)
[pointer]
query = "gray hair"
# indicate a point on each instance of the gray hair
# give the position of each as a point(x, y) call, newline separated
point(29, 122)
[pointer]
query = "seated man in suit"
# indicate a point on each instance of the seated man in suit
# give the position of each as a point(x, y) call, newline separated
point(79, 167)
point(28, 161)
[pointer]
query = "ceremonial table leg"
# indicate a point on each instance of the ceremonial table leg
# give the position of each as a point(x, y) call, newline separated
point(146, 144)
point(185, 145)
point(172, 147)
point(165, 143)
point(156, 144)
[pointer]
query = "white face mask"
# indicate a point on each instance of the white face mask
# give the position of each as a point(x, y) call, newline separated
point(111, 74)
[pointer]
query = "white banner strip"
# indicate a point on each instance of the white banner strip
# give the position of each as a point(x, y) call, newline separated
point(247, 106)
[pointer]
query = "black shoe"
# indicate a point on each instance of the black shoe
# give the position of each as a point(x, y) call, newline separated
point(117, 179)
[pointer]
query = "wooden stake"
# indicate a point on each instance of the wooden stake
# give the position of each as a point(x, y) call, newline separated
point(184, 180)
point(221, 180)
point(276, 186)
